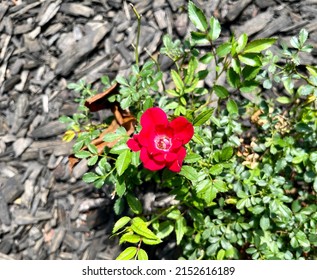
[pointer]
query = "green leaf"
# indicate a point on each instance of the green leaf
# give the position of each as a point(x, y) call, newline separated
point(140, 227)
point(197, 17)
point(134, 203)
point(215, 29)
point(226, 153)
point(164, 229)
point(302, 239)
point(203, 117)
point(189, 172)
point(249, 72)
point(110, 137)
point(207, 58)
point(142, 255)
point(265, 222)
point(119, 148)
point(220, 185)
point(232, 107)
point(127, 254)
point(295, 42)
point(180, 229)
point(93, 160)
point(92, 148)
point(221, 91)
point(121, 80)
point(221, 254)
point(233, 78)
point(119, 206)
point(123, 161)
point(175, 214)
point(149, 241)
point(283, 100)
point(216, 169)
point(199, 37)
point(120, 186)
point(192, 157)
point(224, 49)
point(250, 59)
point(90, 177)
point(312, 70)
point(120, 223)
point(83, 154)
point(242, 42)
point(179, 84)
point(131, 238)
point(258, 45)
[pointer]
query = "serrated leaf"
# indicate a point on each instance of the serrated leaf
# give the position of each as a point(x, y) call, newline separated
point(207, 58)
point(242, 42)
point(93, 160)
point(83, 154)
point(216, 169)
point(134, 204)
point(250, 59)
point(215, 29)
point(302, 239)
point(119, 206)
point(92, 148)
point(199, 37)
point(69, 135)
point(121, 80)
point(149, 241)
point(130, 238)
point(120, 223)
point(180, 229)
point(179, 84)
point(189, 172)
point(265, 222)
point(283, 100)
point(90, 177)
point(258, 45)
point(233, 78)
point(226, 153)
point(221, 254)
point(110, 137)
point(142, 255)
point(123, 162)
point(197, 17)
point(140, 227)
point(120, 186)
point(232, 107)
point(165, 228)
point(221, 91)
point(203, 117)
point(224, 49)
point(312, 70)
point(127, 254)
point(192, 157)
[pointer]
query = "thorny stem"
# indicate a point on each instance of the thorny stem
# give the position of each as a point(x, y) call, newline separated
point(136, 47)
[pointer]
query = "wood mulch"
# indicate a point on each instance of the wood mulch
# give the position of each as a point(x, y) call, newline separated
point(46, 211)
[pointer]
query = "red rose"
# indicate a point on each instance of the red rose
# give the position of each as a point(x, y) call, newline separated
point(161, 142)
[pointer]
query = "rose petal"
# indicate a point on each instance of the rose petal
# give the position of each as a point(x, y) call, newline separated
point(133, 144)
point(183, 129)
point(153, 117)
point(176, 164)
point(148, 162)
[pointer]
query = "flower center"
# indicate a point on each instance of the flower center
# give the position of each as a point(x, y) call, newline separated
point(162, 142)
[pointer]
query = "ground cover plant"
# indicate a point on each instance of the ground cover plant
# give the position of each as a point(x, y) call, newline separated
point(239, 158)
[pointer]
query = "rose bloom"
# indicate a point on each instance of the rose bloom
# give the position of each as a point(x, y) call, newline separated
point(161, 142)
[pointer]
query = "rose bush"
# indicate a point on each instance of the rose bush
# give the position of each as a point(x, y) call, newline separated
point(161, 142)
point(237, 158)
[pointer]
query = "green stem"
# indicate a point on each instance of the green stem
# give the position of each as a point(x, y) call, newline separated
point(136, 47)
